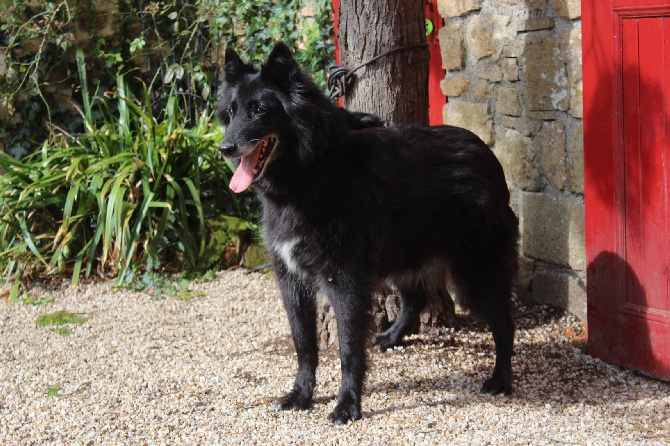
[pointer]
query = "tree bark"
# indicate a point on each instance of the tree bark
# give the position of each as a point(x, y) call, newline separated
point(394, 87)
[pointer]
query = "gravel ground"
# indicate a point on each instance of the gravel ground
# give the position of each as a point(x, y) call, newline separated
point(206, 370)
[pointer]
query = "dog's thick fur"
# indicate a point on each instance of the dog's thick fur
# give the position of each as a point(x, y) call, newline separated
point(345, 210)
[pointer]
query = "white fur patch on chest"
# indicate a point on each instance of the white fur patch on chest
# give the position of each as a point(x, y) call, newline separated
point(285, 251)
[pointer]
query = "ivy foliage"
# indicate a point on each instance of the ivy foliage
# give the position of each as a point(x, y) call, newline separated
point(253, 27)
point(173, 47)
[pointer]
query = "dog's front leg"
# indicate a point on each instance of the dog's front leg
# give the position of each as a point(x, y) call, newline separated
point(352, 310)
point(300, 305)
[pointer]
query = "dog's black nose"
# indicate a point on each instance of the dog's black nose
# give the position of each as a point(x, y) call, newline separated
point(227, 149)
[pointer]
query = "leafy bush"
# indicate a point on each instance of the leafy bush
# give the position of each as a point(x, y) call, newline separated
point(131, 188)
point(127, 179)
point(169, 47)
point(252, 27)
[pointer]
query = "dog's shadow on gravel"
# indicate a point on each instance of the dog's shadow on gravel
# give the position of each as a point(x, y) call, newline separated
point(550, 369)
point(545, 374)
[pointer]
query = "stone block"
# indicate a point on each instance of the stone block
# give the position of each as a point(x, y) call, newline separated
point(551, 144)
point(508, 102)
point(552, 229)
point(571, 49)
point(308, 10)
point(451, 46)
point(455, 86)
point(474, 117)
point(570, 9)
point(486, 34)
point(520, 4)
point(546, 77)
point(577, 100)
point(483, 89)
point(108, 20)
point(543, 115)
point(488, 70)
point(575, 161)
point(526, 127)
point(536, 24)
point(524, 278)
point(510, 69)
point(571, 46)
point(560, 288)
point(457, 8)
point(517, 157)
point(514, 49)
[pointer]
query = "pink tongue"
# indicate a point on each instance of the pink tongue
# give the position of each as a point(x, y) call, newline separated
point(244, 174)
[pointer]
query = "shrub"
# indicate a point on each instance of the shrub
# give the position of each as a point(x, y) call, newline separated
point(127, 179)
point(129, 189)
point(169, 47)
point(252, 27)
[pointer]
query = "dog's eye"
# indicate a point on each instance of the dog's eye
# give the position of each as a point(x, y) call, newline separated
point(229, 112)
point(257, 110)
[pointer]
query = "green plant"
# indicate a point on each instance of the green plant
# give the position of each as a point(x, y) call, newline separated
point(25, 299)
point(254, 26)
point(128, 190)
point(160, 287)
point(128, 181)
point(38, 41)
point(53, 390)
point(57, 321)
point(171, 47)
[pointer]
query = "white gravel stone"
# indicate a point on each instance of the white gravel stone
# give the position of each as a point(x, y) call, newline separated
point(207, 370)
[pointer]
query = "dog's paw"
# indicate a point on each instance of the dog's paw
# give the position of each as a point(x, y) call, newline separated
point(496, 386)
point(343, 413)
point(384, 342)
point(294, 400)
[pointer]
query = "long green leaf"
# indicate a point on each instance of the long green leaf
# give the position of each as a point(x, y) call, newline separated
point(187, 238)
point(83, 82)
point(29, 241)
point(201, 214)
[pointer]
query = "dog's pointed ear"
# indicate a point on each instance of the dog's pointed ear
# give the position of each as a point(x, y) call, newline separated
point(234, 67)
point(280, 66)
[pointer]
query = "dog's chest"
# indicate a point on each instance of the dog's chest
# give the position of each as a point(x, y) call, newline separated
point(299, 241)
point(286, 251)
point(285, 236)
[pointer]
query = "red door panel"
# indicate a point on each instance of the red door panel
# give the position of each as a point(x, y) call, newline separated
point(627, 181)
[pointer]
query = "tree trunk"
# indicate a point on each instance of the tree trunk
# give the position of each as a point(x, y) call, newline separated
point(394, 87)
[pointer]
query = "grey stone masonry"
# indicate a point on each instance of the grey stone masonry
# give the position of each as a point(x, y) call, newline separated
point(514, 77)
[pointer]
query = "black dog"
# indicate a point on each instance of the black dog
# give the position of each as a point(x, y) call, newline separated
point(345, 210)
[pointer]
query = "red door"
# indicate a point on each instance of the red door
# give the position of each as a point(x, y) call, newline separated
point(626, 49)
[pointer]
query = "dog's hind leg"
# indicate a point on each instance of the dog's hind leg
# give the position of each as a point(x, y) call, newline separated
point(502, 328)
point(412, 301)
point(352, 310)
point(486, 287)
point(300, 304)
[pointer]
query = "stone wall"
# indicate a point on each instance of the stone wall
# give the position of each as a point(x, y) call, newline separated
point(514, 77)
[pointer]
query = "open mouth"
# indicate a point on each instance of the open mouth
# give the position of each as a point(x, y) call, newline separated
point(252, 165)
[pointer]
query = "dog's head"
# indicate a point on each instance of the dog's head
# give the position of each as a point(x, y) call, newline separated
point(260, 110)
